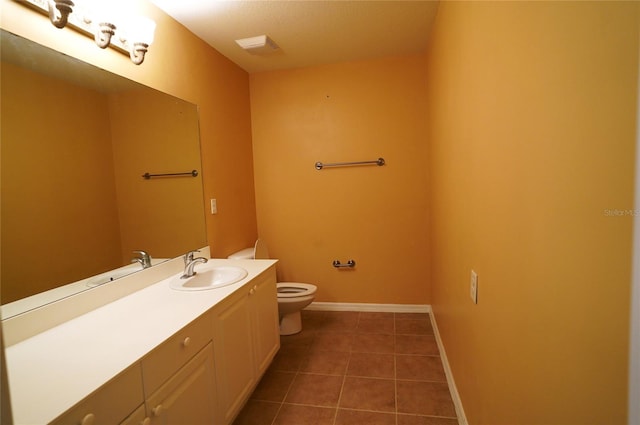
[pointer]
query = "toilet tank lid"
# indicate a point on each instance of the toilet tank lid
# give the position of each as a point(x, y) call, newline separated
point(245, 254)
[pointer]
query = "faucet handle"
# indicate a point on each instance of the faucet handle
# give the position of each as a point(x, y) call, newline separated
point(188, 257)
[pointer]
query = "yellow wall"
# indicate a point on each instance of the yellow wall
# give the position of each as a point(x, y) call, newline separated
point(532, 119)
point(46, 190)
point(375, 215)
point(180, 64)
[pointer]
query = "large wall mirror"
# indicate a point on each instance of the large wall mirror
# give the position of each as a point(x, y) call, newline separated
point(75, 143)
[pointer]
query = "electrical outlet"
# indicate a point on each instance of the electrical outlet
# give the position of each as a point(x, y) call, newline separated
point(473, 287)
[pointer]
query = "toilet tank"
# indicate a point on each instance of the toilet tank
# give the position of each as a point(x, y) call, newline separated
point(259, 250)
point(245, 254)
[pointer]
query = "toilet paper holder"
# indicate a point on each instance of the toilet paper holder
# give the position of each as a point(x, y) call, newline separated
point(338, 265)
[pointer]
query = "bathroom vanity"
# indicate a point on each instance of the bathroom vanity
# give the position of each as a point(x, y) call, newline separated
point(156, 355)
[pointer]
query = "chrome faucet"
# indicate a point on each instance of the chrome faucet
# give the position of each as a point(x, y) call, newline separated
point(190, 263)
point(144, 259)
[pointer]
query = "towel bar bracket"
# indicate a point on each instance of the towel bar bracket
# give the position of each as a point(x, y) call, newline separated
point(350, 264)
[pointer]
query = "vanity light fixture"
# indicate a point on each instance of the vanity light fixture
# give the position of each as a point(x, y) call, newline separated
point(104, 32)
point(104, 20)
point(140, 33)
point(59, 11)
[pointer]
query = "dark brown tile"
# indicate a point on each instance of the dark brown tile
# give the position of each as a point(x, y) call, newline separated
point(413, 316)
point(377, 315)
point(289, 359)
point(305, 383)
point(311, 319)
point(372, 365)
point(373, 343)
point(413, 327)
point(417, 344)
point(332, 341)
point(315, 390)
point(425, 420)
point(257, 413)
point(326, 362)
point(368, 394)
point(303, 338)
point(341, 321)
point(351, 417)
point(293, 414)
point(425, 398)
point(273, 386)
point(420, 368)
point(376, 324)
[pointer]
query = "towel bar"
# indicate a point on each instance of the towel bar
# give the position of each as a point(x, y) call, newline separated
point(378, 162)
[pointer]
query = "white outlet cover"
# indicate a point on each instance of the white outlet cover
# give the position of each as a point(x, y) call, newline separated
point(473, 287)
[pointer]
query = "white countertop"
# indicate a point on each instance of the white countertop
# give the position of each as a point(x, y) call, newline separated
point(52, 371)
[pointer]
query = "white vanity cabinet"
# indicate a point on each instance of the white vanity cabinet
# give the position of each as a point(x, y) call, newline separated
point(159, 356)
point(246, 336)
point(111, 404)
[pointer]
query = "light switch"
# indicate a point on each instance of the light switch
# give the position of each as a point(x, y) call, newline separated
point(214, 206)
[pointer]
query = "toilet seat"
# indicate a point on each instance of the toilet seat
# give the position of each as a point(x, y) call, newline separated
point(292, 296)
point(295, 289)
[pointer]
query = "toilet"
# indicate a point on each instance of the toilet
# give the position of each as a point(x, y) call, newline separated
point(292, 296)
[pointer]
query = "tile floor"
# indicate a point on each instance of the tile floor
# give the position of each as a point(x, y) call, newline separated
point(349, 368)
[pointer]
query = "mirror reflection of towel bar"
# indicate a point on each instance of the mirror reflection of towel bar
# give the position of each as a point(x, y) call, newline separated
point(192, 173)
point(378, 162)
point(338, 265)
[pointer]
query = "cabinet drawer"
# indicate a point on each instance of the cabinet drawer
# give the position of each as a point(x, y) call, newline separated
point(166, 359)
point(110, 404)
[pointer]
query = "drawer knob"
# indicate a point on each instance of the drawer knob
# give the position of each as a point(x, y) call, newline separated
point(157, 411)
point(186, 342)
point(88, 419)
point(146, 421)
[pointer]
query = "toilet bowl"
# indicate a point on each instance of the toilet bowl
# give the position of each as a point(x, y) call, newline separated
point(292, 296)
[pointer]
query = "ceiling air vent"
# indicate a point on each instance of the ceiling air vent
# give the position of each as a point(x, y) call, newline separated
point(258, 45)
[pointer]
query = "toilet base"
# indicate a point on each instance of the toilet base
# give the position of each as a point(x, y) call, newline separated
point(290, 323)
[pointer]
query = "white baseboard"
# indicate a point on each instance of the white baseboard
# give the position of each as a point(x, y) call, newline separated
point(404, 308)
point(457, 402)
point(386, 308)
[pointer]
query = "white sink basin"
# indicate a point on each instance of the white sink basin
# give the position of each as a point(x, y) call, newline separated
point(208, 278)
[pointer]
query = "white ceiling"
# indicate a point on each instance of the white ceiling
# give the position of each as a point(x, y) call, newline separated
point(308, 32)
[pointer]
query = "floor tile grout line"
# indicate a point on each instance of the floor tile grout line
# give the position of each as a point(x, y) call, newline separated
point(344, 380)
point(307, 352)
point(285, 397)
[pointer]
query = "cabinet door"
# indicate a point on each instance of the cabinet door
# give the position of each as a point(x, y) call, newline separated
point(188, 397)
point(264, 306)
point(139, 417)
point(233, 347)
